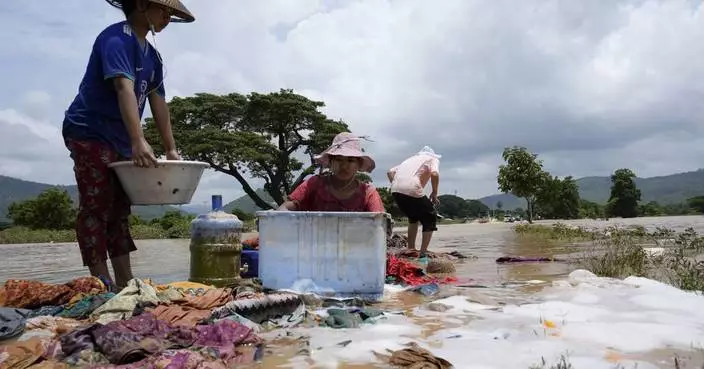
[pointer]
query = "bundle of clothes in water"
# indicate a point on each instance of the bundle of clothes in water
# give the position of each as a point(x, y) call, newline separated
point(402, 265)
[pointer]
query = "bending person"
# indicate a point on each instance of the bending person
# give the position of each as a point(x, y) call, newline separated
point(338, 189)
point(408, 181)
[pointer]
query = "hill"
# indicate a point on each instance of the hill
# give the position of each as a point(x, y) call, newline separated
point(246, 204)
point(13, 190)
point(670, 189)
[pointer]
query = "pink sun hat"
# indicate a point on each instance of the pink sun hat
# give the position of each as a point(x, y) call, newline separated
point(350, 145)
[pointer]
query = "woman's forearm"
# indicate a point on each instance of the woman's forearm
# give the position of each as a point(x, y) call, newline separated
point(288, 205)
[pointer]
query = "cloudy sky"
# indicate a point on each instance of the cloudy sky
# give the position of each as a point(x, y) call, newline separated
point(589, 85)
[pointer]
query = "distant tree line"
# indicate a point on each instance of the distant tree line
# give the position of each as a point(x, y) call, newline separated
point(53, 209)
point(552, 197)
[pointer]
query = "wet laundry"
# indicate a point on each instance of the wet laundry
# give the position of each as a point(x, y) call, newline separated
point(400, 270)
point(350, 318)
point(429, 289)
point(49, 310)
point(521, 259)
point(34, 294)
point(122, 305)
point(179, 315)
point(210, 299)
point(22, 354)
point(54, 325)
point(12, 322)
point(414, 357)
point(128, 341)
point(81, 306)
point(261, 308)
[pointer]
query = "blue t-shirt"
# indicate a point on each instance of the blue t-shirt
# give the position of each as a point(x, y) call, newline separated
point(95, 112)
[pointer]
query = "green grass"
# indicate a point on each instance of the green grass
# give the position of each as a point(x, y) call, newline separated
point(19, 235)
point(621, 252)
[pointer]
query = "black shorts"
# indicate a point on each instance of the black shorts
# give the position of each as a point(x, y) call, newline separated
point(418, 209)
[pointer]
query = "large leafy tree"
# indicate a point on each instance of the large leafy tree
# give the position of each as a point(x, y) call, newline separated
point(252, 136)
point(558, 198)
point(522, 175)
point(456, 207)
point(52, 209)
point(624, 198)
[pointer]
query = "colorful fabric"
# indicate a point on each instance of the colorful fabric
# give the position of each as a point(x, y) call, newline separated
point(251, 243)
point(123, 305)
point(34, 294)
point(181, 359)
point(23, 354)
point(55, 326)
point(179, 315)
point(349, 318)
point(128, 341)
point(48, 310)
point(314, 195)
point(102, 226)
point(414, 357)
point(521, 259)
point(94, 115)
point(403, 271)
point(82, 308)
point(210, 299)
point(12, 322)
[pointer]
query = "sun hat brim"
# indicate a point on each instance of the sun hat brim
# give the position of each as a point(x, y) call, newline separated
point(367, 166)
point(181, 13)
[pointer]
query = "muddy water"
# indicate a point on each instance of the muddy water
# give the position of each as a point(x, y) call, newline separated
point(483, 280)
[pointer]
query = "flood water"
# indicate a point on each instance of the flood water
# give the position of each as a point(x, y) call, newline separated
point(485, 281)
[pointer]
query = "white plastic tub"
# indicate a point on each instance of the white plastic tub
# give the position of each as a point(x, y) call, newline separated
point(341, 253)
point(171, 182)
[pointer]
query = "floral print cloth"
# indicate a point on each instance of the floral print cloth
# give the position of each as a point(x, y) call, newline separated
point(34, 294)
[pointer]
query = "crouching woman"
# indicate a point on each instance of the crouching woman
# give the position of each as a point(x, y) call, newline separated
point(338, 189)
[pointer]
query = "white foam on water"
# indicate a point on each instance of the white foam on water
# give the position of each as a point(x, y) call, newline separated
point(329, 347)
point(596, 322)
point(308, 286)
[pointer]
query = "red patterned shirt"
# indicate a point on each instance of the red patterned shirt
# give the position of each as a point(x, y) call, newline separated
point(314, 195)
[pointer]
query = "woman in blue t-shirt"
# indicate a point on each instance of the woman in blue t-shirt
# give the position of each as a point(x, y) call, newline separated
point(103, 125)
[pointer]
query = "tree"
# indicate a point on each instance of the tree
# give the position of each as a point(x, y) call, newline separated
point(52, 209)
point(696, 203)
point(243, 215)
point(253, 136)
point(476, 208)
point(558, 198)
point(452, 206)
point(499, 205)
point(624, 198)
point(522, 175)
point(456, 207)
point(591, 210)
point(651, 209)
point(389, 202)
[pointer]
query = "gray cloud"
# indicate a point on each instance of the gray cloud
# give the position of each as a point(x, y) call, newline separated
point(590, 86)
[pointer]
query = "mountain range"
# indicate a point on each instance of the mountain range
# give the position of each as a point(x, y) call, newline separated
point(669, 189)
point(13, 190)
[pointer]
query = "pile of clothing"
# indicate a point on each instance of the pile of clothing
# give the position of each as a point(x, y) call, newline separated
point(402, 265)
point(187, 325)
